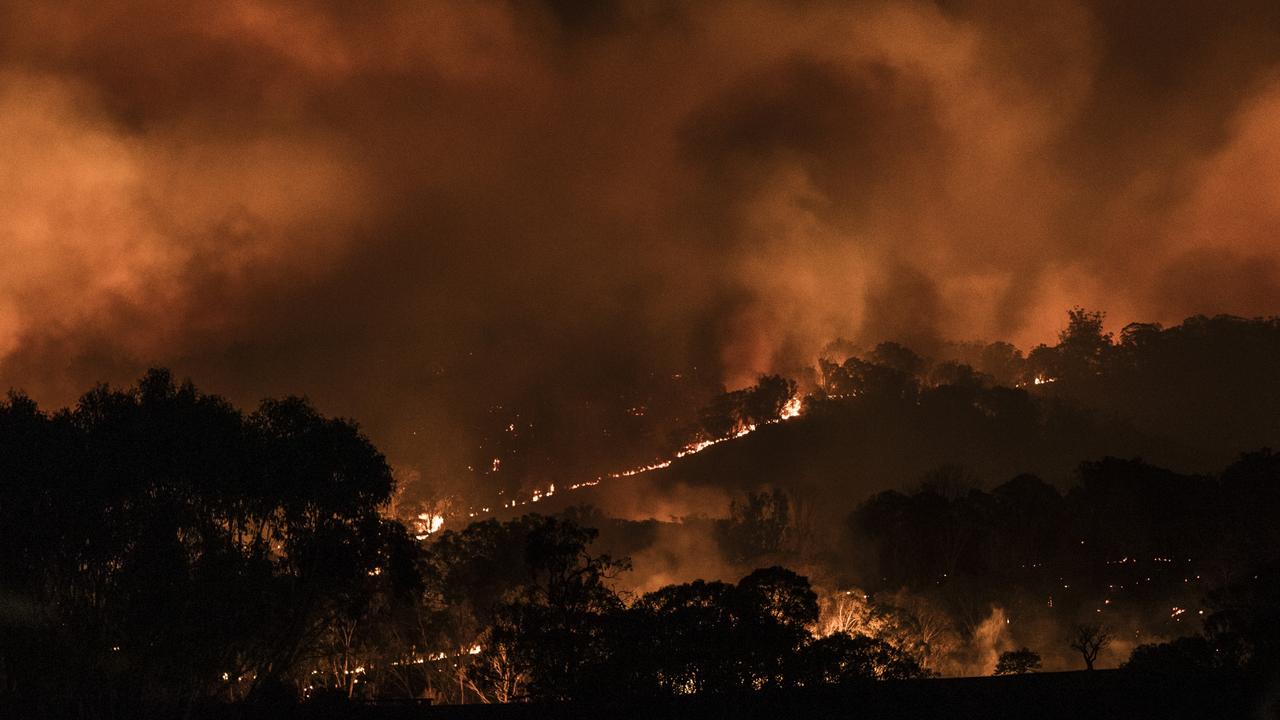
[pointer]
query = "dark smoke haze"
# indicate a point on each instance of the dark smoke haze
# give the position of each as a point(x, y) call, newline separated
point(414, 211)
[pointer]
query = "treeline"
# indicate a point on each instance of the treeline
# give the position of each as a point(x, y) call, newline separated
point(158, 547)
point(526, 611)
point(1192, 397)
point(163, 553)
point(1135, 550)
point(1117, 511)
point(1208, 383)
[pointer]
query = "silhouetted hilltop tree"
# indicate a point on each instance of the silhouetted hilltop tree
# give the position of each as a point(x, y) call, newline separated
point(1083, 347)
point(1192, 655)
point(1090, 639)
point(1018, 662)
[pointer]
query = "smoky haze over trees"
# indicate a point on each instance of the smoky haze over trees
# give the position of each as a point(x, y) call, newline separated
point(547, 209)
point(163, 551)
point(166, 552)
point(886, 417)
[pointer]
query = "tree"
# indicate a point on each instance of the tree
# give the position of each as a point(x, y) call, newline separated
point(732, 412)
point(712, 637)
point(1083, 347)
point(1003, 362)
point(958, 375)
point(776, 609)
point(898, 357)
point(1244, 622)
point(853, 613)
point(920, 627)
point(757, 526)
point(723, 416)
point(1192, 656)
point(171, 549)
point(1043, 365)
point(860, 378)
point(841, 658)
point(1017, 662)
point(764, 402)
point(692, 643)
point(1089, 640)
point(522, 606)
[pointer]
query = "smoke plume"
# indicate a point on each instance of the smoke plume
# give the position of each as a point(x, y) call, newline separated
point(414, 212)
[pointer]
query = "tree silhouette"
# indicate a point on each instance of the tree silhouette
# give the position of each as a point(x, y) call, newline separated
point(1017, 662)
point(533, 600)
point(713, 637)
point(1083, 346)
point(758, 526)
point(842, 658)
point(168, 549)
point(898, 357)
point(1089, 640)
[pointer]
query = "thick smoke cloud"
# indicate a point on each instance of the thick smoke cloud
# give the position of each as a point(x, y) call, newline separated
point(415, 211)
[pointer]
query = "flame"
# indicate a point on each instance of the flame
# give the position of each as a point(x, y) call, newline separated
point(428, 523)
point(790, 410)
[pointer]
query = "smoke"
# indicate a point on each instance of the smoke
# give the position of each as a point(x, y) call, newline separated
point(680, 552)
point(416, 212)
point(990, 638)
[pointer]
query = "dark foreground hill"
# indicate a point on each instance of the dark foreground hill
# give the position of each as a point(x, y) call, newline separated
point(1098, 695)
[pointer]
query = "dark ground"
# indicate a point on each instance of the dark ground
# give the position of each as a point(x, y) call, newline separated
point(1100, 695)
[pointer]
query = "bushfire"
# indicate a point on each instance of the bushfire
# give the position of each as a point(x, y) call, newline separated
point(790, 410)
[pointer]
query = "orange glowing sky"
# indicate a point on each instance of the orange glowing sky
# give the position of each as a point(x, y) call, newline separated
point(358, 201)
